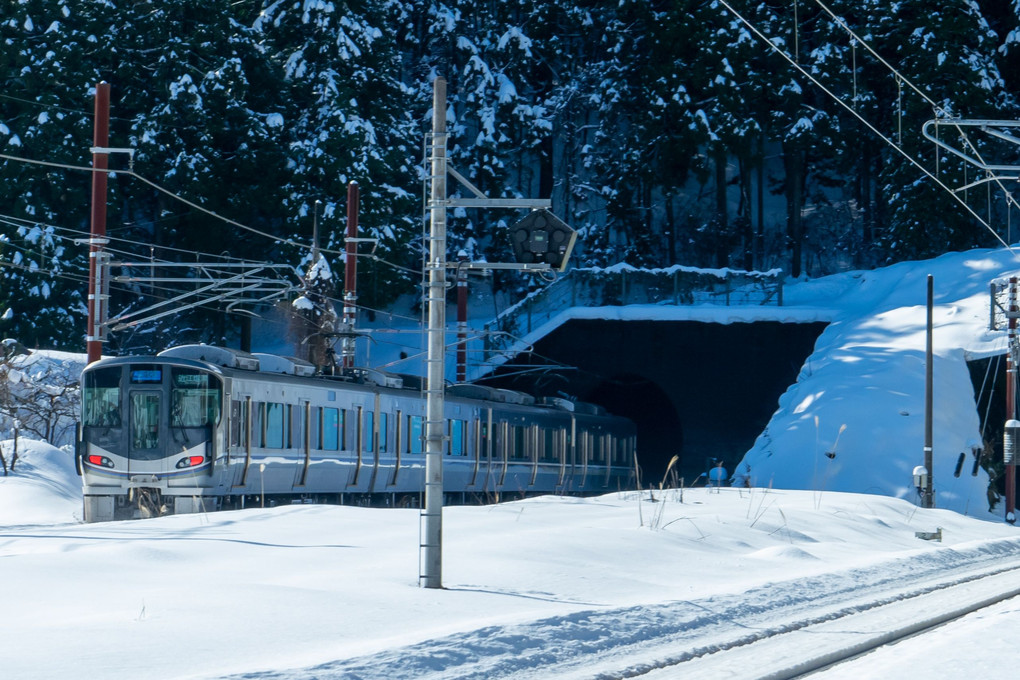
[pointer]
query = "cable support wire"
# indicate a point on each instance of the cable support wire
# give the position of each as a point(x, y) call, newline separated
point(82, 277)
point(867, 124)
point(196, 206)
point(22, 223)
point(937, 108)
point(278, 287)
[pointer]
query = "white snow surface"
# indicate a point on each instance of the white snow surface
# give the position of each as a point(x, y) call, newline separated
point(533, 587)
point(331, 592)
point(860, 393)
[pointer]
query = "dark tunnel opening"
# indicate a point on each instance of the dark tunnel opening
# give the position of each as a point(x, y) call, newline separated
point(660, 432)
point(988, 377)
point(696, 389)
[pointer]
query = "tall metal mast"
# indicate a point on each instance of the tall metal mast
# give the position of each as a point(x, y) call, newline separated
point(350, 315)
point(435, 424)
point(531, 247)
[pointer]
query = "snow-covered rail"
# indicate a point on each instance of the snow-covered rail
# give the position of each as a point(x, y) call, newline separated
point(794, 653)
point(779, 630)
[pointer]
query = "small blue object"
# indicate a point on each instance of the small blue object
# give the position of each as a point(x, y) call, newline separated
point(718, 475)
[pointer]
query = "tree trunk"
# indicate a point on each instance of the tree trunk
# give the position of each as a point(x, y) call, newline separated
point(866, 204)
point(746, 231)
point(793, 164)
point(670, 231)
point(760, 240)
point(721, 217)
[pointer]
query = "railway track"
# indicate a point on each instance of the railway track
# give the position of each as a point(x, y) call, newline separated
point(808, 647)
point(776, 631)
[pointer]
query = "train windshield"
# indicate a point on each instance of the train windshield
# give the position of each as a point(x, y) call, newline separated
point(144, 421)
point(195, 398)
point(101, 398)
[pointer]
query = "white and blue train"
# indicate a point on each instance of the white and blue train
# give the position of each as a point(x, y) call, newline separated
point(200, 428)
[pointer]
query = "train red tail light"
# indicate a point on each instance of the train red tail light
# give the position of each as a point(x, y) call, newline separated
point(190, 461)
point(101, 461)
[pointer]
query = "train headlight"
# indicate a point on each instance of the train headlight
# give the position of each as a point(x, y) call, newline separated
point(190, 461)
point(101, 461)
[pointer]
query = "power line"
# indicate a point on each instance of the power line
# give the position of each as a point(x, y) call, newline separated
point(82, 112)
point(196, 206)
point(23, 223)
point(161, 189)
point(937, 108)
point(871, 127)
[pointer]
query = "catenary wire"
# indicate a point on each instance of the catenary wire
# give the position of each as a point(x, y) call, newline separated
point(938, 108)
point(867, 124)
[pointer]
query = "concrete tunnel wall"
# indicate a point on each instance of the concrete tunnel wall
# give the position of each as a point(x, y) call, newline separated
point(695, 389)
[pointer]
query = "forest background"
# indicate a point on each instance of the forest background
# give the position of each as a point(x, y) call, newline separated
point(664, 131)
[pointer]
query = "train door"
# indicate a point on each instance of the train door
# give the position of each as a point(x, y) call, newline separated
point(145, 432)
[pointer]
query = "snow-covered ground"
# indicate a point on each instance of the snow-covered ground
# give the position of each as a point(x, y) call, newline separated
point(531, 587)
point(860, 394)
point(552, 587)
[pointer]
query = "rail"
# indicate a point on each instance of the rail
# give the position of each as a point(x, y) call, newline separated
point(622, 285)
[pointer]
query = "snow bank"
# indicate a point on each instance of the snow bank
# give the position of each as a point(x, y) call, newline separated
point(860, 395)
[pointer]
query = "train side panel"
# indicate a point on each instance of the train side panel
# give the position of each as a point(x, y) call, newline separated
point(178, 435)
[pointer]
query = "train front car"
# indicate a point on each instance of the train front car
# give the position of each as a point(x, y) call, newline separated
point(149, 434)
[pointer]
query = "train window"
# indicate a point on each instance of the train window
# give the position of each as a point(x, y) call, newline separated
point(315, 428)
point(456, 447)
point(483, 441)
point(276, 426)
point(502, 438)
point(235, 423)
point(101, 398)
point(195, 398)
point(383, 432)
point(369, 440)
point(517, 451)
point(294, 419)
point(548, 444)
point(330, 429)
point(145, 420)
point(258, 416)
point(343, 430)
point(398, 423)
point(597, 454)
point(415, 434)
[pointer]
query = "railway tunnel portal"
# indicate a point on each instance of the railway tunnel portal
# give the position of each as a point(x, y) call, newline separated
point(700, 390)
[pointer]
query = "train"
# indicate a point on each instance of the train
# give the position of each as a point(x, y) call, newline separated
point(199, 428)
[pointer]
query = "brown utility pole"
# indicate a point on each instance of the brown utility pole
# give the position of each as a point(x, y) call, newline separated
point(100, 158)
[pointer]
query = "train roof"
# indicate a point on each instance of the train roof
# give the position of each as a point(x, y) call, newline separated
point(272, 364)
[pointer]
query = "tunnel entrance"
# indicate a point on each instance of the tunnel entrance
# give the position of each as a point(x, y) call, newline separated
point(989, 376)
point(660, 432)
point(696, 389)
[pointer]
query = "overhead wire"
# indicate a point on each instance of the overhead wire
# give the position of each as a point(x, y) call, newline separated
point(22, 223)
point(865, 122)
point(901, 80)
point(131, 173)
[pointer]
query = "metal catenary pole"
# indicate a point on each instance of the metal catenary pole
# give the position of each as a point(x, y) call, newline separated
point(100, 159)
point(435, 426)
point(350, 278)
point(462, 297)
point(929, 495)
point(1011, 392)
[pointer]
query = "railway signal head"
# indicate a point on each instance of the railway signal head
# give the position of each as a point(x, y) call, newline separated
point(542, 238)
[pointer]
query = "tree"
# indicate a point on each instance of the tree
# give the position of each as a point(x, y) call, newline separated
point(350, 118)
